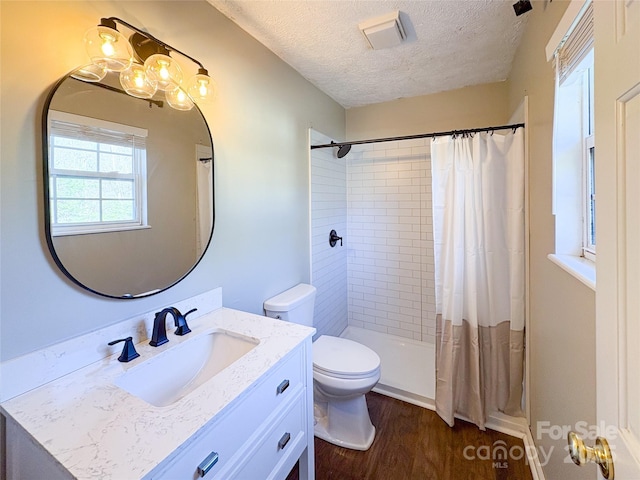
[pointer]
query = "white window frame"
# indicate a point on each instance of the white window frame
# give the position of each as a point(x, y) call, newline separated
point(139, 174)
point(588, 196)
point(570, 153)
point(588, 247)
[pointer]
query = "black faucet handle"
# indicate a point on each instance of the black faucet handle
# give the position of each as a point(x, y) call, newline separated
point(181, 322)
point(128, 352)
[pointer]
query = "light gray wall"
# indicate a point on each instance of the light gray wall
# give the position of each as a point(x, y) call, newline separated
point(470, 107)
point(562, 323)
point(259, 125)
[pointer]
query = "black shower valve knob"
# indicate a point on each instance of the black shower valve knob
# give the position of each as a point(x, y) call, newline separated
point(333, 238)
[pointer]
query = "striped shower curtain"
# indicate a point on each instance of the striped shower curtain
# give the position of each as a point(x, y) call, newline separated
point(478, 215)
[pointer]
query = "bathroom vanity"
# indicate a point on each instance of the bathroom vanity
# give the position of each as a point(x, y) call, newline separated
point(251, 420)
point(231, 399)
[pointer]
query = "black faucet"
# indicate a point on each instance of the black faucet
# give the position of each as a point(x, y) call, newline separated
point(159, 333)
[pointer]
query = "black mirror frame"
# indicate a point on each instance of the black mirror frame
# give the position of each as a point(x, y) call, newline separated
point(47, 211)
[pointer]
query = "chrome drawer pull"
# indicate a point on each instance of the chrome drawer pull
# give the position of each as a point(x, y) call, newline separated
point(284, 440)
point(283, 386)
point(207, 464)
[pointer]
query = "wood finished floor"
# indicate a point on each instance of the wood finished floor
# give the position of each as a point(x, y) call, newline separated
point(413, 443)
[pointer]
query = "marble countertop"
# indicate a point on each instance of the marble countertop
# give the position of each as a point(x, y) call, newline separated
point(97, 430)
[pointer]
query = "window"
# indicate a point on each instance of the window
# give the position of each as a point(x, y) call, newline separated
point(589, 241)
point(574, 152)
point(97, 175)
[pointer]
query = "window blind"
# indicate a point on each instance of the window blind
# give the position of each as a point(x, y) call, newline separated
point(576, 44)
point(113, 134)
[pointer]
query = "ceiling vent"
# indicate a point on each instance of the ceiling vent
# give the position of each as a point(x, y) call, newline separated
point(385, 31)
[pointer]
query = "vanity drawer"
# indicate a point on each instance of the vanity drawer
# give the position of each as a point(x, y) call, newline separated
point(281, 445)
point(227, 435)
point(281, 385)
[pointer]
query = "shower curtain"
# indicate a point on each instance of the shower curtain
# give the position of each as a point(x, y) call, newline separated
point(478, 228)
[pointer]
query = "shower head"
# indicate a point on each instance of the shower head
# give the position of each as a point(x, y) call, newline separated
point(342, 150)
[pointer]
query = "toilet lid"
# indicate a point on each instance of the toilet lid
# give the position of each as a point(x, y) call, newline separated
point(340, 356)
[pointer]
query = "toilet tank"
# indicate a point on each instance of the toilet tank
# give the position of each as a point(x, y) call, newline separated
point(293, 305)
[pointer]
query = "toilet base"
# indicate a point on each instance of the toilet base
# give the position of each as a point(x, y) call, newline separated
point(345, 423)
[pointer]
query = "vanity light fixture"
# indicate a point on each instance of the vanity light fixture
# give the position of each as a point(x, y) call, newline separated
point(145, 64)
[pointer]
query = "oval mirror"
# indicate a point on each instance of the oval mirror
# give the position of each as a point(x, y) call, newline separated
point(129, 203)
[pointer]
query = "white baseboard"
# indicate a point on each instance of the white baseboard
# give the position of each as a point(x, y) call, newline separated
point(518, 427)
point(408, 397)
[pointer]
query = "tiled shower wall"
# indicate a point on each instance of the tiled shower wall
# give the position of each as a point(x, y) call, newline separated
point(390, 238)
point(379, 198)
point(328, 211)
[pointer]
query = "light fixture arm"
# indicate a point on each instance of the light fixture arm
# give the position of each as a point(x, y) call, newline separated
point(112, 21)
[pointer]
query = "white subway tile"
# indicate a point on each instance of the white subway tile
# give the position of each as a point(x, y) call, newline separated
point(399, 152)
point(371, 312)
point(387, 323)
point(400, 332)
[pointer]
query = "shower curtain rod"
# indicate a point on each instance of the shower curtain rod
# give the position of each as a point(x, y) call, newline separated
point(420, 135)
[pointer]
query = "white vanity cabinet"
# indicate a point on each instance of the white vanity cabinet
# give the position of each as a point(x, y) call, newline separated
point(259, 436)
point(253, 420)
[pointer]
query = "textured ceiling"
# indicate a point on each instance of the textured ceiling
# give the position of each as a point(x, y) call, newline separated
point(450, 44)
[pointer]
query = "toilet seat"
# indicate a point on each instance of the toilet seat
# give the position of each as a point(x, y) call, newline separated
point(342, 358)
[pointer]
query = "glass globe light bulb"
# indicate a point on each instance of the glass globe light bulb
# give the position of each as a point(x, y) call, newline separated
point(201, 88)
point(90, 73)
point(136, 83)
point(163, 70)
point(108, 48)
point(179, 99)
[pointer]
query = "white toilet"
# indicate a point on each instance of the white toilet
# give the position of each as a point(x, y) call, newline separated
point(343, 371)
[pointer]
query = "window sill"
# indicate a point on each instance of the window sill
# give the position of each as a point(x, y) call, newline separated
point(579, 267)
point(70, 232)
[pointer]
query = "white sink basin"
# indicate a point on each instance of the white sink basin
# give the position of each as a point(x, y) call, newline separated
point(169, 376)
